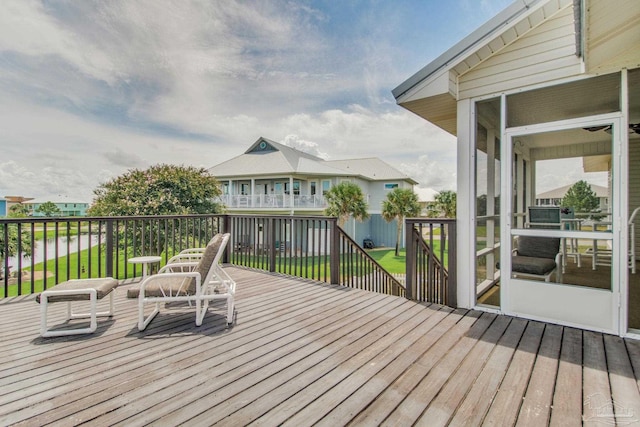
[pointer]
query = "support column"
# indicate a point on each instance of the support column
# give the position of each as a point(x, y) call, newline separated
point(466, 204)
point(291, 198)
point(253, 193)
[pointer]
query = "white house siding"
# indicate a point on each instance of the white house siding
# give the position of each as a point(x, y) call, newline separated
point(545, 53)
point(378, 194)
point(613, 35)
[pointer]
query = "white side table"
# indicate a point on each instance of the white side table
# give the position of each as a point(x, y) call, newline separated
point(145, 261)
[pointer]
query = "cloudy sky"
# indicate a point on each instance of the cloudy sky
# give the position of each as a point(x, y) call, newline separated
point(90, 89)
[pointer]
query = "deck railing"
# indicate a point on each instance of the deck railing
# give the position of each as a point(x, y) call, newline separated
point(312, 247)
point(68, 248)
point(84, 247)
point(431, 260)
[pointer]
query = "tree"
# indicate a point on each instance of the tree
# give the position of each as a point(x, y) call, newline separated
point(444, 205)
point(399, 204)
point(159, 190)
point(581, 198)
point(18, 211)
point(49, 209)
point(9, 246)
point(346, 199)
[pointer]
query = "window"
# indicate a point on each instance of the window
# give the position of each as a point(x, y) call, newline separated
point(390, 186)
point(326, 185)
point(244, 189)
point(312, 188)
point(296, 188)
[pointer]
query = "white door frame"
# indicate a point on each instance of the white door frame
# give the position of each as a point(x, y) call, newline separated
point(544, 301)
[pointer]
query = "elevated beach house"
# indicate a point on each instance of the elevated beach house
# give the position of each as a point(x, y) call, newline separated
point(68, 206)
point(543, 80)
point(272, 178)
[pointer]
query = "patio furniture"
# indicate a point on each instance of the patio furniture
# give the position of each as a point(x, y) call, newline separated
point(77, 290)
point(145, 261)
point(206, 281)
point(537, 257)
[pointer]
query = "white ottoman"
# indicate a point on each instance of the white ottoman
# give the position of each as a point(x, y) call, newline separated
point(77, 290)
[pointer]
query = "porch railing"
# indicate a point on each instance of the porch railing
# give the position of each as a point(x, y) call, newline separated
point(84, 247)
point(68, 248)
point(312, 247)
point(431, 260)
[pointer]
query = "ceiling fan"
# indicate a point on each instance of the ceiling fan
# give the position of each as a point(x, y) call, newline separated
point(633, 128)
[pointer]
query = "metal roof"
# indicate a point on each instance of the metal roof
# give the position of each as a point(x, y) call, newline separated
point(285, 160)
point(559, 193)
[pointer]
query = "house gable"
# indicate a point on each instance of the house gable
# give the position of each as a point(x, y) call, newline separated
point(469, 68)
point(545, 53)
point(261, 146)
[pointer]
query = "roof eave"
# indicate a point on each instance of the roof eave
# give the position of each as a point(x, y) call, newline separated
point(455, 54)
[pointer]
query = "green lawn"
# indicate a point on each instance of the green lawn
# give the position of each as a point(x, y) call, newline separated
point(388, 260)
point(79, 260)
point(308, 267)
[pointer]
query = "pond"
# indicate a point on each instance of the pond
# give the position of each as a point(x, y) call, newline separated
point(66, 245)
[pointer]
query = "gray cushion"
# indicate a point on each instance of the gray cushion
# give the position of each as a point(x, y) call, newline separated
point(538, 247)
point(208, 256)
point(532, 265)
point(102, 287)
point(162, 286)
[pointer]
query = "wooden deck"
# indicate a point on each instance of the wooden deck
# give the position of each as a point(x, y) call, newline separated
point(303, 353)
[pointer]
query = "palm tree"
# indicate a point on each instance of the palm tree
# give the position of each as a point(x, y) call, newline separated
point(444, 205)
point(400, 203)
point(346, 199)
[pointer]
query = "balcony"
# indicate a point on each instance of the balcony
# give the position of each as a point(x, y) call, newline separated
point(278, 201)
point(303, 352)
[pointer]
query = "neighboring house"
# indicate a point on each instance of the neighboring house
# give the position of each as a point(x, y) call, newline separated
point(67, 206)
point(272, 178)
point(15, 200)
point(543, 80)
point(554, 197)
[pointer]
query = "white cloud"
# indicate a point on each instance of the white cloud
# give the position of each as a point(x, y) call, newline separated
point(89, 89)
point(309, 147)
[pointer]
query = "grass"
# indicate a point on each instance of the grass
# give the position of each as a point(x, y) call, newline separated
point(389, 261)
point(74, 260)
point(309, 267)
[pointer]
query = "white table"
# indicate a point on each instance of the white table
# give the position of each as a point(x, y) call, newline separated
point(145, 261)
point(600, 256)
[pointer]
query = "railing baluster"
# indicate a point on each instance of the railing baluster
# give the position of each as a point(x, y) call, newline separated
point(304, 246)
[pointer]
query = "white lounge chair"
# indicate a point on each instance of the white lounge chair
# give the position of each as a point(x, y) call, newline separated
point(190, 254)
point(200, 283)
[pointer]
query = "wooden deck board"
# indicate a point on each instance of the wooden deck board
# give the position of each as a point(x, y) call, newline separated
point(596, 393)
point(506, 405)
point(303, 353)
point(567, 401)
point(536, 405)
point(478, 400)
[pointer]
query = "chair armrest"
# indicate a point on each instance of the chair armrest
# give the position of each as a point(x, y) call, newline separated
point(192, 251)
point(185, 257)
point(178, 267)
point(559, 267)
